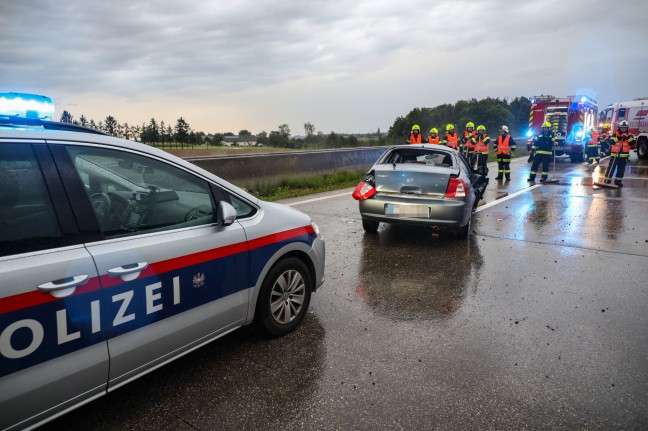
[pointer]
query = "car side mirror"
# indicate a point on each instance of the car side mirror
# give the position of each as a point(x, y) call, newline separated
point(226, 214)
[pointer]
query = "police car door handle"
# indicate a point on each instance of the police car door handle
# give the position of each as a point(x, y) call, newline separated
point(128, 272)
point(65, 283)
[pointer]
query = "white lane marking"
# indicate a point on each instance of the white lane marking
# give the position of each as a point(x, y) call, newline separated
point(512, 195)
point(319, 199)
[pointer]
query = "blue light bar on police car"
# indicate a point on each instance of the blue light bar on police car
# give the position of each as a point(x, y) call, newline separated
point(26, 105)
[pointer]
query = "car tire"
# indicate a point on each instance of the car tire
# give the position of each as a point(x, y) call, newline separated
point(462, 232)
point(284, 297)
point(370, 225)
point(642, 149)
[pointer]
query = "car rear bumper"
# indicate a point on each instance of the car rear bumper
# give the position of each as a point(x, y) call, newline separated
point(442, 212)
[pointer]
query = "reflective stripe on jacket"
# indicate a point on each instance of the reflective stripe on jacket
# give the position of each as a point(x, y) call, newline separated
point(481, 143)
point(451, 141)
point(468, 139)
point(415, 139)
point(620, 147)
point(504, 146)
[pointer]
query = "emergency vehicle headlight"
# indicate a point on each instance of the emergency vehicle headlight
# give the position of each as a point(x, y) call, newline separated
point(529, 133)
point(26, 105)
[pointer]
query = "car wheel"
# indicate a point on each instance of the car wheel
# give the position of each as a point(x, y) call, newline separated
point(284, 297)
point(642, 149)
point(370, 226)
point(462, 232)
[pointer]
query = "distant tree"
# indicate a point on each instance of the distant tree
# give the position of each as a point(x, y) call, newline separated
point(332, 140)
point(262, 138)
point(83, 120)
point(182, 131)
point(162, 132)
point(285, 130)
point(101, 126)
point(244, 132)
point(309, 128)
point(66, 117)
point(216, 139)
point(228, 134)
point(111, 125)
point(92, 125)
point(277, 139)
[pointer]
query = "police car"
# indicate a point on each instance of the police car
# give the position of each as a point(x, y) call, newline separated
point(116, 258)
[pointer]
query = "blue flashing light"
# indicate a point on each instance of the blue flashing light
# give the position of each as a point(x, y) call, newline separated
point(532, 100)
point(26, 105)
point(529, 133)
point(583, 99)
point(580, 134)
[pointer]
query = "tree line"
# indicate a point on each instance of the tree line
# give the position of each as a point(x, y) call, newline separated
point(491, 112)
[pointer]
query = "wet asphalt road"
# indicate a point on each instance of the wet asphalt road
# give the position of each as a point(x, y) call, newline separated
point(537, 321)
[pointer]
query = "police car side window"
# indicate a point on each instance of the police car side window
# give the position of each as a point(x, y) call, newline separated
point(243, 209)
point(27, 218)
point(132, 194)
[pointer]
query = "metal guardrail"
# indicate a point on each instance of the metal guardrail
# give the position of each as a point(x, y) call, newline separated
point(249, 169)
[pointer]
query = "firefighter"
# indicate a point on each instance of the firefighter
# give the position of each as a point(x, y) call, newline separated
point(415, 136)
point(619, 154)
point(433, 137)
point(451, 139)
point(468, 148)
point(543, 147)
point(593, 147)
point(481, 149)
point(505, 147)
point(604, 139)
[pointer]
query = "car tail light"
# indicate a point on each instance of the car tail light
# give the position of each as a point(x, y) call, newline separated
point(456, 188)
point(363, 191)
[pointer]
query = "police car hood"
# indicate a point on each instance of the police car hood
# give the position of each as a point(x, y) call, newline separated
point(283, 213)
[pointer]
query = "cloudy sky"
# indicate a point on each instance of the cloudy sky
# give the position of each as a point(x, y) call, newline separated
point(347, 66)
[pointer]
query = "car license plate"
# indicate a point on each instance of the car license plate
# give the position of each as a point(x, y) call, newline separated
point(407, 211)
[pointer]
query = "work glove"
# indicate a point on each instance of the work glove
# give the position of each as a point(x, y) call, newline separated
point(530, 159)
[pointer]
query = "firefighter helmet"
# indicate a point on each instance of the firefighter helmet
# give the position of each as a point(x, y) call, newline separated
point(546, 124)
point(416, 127)
point(470, 124)
point(606, 126)
point(504, 128)
point(481, 128)
point(449, 127)
point(434, 130)
point(624, 123)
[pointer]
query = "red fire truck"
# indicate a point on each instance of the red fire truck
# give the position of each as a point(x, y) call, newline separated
point(570, 118)
point(636, 114)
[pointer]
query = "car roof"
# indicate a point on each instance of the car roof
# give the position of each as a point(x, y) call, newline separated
point(442, 148)
point(10, 134)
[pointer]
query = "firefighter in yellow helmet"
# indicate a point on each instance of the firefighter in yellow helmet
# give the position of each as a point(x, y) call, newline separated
point(480, 141)
point(433, 137)
point(468, 147)
point(415, 136)
point(604, 139)
point(543, 148)
point(451, 138)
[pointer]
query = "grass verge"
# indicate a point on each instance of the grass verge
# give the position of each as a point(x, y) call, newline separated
point(291, 187)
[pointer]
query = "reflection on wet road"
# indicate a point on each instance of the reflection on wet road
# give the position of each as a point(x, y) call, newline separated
point(538, 321)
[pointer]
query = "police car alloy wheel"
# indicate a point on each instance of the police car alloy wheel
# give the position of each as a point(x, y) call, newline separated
point(284, 297)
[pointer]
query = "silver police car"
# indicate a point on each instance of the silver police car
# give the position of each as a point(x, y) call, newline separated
point(116, 258)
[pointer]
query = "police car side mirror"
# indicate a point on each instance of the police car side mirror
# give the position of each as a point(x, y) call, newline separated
point(226, 214)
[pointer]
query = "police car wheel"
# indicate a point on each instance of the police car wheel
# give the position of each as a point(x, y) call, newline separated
point(284, 297)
